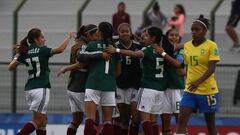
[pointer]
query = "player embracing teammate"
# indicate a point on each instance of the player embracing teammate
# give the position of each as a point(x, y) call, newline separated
point(142, 81)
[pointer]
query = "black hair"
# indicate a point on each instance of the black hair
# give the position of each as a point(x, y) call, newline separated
point(84, 30)
point(29, 39)
point(203, 20)
point(156, 6)
point(155, 32)
point(107, 31)
point(182, 10)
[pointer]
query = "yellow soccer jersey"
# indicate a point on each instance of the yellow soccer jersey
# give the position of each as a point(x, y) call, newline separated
point(196, 59)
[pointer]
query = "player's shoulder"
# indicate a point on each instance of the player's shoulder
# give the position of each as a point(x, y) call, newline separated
point(136, 44)
point(146, 47)
point(93, 44)
point(117, 43)
point(211, 43)
point(188, 43)
point(43, 48)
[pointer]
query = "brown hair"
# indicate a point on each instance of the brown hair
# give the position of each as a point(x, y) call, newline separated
point(81, 36)
point(22, 48)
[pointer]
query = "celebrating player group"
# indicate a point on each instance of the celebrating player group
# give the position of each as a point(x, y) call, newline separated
point(131, 81)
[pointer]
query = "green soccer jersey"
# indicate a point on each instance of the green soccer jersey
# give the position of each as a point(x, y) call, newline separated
point(36, 61)
point(175, 81)
point(153, 70)
point(130, 76)
point(101, 74)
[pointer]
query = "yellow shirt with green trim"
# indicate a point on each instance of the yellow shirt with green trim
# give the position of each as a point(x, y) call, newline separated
point(197, 60)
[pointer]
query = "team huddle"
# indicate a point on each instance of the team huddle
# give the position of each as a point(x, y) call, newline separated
point(127, 83)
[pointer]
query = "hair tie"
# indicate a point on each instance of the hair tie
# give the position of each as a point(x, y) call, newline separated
point(201, 23)
point(28, 42)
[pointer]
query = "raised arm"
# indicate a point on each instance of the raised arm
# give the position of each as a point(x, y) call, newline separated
point(63, 45)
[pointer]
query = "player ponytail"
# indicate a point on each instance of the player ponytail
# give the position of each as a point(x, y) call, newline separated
point(28, 40)
point(80, 33)
point(107, 31)
point(84, 30)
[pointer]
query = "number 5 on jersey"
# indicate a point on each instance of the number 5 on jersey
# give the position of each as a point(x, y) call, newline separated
point(159, 67)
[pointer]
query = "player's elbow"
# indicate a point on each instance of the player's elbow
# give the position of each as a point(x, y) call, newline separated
point(11, 67)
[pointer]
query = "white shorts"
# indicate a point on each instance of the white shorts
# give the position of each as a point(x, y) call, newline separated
point(103, 98)
point(172, 100)
point(126, 95)
point(76, 100)
point(150, 101)
point(38, 99)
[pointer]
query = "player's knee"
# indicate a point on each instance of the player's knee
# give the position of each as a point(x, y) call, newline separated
point(41, 121)
point(77, 118)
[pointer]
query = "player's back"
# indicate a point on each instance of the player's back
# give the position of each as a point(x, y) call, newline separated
point(36, 61)
point(101, 74)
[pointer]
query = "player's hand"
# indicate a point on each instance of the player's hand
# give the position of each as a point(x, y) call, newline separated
point(193, 86)
point(106, 56)
point(61, 71)
point(158, 49)
point(178, 46)
point(110, 49)
point(71, 34)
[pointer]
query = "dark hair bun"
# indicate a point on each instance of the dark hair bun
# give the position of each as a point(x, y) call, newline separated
point(156, 6)
point(80, 31)
point(201, 16)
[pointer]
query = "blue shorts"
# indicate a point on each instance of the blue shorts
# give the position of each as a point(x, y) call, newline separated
point(203, 103)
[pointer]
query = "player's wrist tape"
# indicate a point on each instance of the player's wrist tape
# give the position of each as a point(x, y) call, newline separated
point(117, 50)
point(163, 54)
point(16, 56)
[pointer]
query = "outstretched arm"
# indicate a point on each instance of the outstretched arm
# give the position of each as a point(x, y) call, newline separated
point(137, 54)
point(70, 68)
point(85, 56)
point(63, 45)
